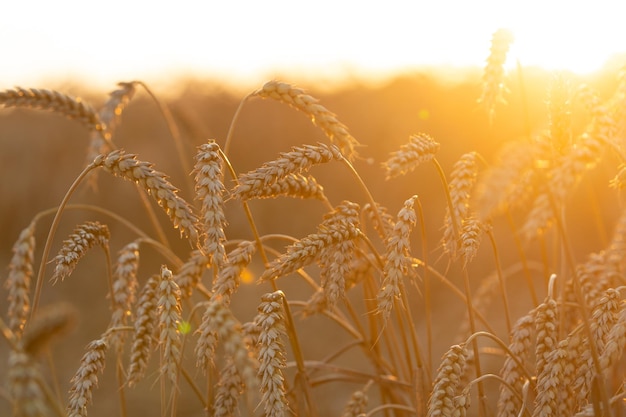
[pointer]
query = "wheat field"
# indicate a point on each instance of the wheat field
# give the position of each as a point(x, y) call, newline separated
point(413, 276)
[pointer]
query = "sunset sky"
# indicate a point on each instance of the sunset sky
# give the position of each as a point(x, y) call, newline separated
point(248, 41)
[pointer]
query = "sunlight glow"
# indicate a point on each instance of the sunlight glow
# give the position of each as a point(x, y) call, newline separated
point(249, 40)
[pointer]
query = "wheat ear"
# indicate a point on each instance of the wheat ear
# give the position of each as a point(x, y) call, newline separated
point(296, 161)
point(447, 381)
point(26, 386)
point(547, 339)
point(86, 378)
point(397, 258)
point(511, 372)
point(19, 280)
point(307, 249)
point(169, 314)
point(334, 260)
point(271, 321)
point(336, 131)
point(462, 180)
point(124, 290)
point(145, 327)
point(493, 76)
point(292, 185)
point(73, 108)
point(110, 115)
point(84, 237)
point(190, 273)
point(210, 192)
point(358, 403)
point(229, 276)
point(126, 166)
point(219, 323)
point(420, 149)
point(229, 389)
point(50, 322)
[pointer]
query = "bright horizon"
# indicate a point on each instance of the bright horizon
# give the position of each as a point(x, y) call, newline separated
point(249, 41)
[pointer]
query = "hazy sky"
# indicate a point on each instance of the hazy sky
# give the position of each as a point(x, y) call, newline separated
point(114, 40)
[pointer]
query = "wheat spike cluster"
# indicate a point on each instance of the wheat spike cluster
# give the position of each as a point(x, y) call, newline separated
point(480, 298)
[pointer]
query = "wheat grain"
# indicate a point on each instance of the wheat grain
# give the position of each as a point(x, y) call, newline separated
point(84, 237)
point(86, 378)
point(145, 327)
point(357, 405)
point(19, 279)
point(336, 131)
point(420, 149)
point(471, 232)
point(397, 258)
point(169, 316)
point(73, 108)
point(511, 373)
point(123, 165)
point(307, 249)
point(271, 321)
point(124, 290)
point(388, 221)
point(110, 115)
point(219, 323)
point(210, 192)
point(334, 260)
point(615, 341)
point(441, 401)
point(560, 113)
point(292, 185)
point(229, 389)
point(547, 334)
point(296, 161)
point(603, 319)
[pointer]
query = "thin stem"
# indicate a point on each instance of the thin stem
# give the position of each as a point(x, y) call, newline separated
point(51, 233)
point(505, 299)
point(231, 128)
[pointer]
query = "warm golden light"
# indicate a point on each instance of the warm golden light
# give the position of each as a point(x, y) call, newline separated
point(248, 40)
